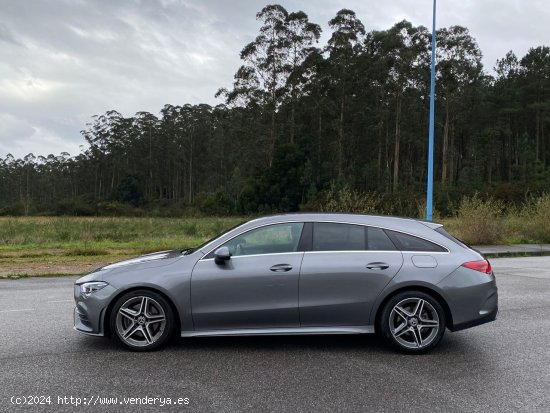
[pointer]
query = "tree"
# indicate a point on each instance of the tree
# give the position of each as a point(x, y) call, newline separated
point(403, 51)
point(342, 47)
point(262, 78)
point(535, 73)
point(301, 36)
point(458, 70)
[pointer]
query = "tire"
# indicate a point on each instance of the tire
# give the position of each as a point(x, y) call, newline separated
point(412, 322)
point(142, 320)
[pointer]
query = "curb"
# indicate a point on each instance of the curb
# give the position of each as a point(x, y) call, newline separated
point(517, 250)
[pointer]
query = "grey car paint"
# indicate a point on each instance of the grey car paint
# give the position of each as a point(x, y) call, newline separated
point(246, 293)
point(323, 292)
point(338, 289)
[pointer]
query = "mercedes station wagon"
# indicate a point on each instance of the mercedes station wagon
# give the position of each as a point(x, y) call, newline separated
point(404, 279)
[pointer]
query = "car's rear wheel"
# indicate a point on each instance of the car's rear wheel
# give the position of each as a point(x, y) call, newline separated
point(142, 320)
point(413, 322)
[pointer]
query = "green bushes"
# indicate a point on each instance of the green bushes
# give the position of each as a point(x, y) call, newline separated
point(535, 218)
point(345, 200)
point(492, 221)
point(217, 203)
point(479, 221)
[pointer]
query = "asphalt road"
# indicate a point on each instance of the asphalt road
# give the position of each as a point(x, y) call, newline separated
point(502, 366)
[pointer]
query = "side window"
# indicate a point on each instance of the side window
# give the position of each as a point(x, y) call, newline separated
point(278, 238)
point(338, 237)
point(410, 243)
point(377, 240)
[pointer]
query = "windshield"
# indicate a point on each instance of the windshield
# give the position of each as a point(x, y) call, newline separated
point(204, 244)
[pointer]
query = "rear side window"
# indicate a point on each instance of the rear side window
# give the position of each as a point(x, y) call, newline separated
point(377, 240)
point(407, 242)
point(449, 236)
point(338, 237)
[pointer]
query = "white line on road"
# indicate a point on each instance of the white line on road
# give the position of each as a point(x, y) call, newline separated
point(13, 311)
point(61, 301)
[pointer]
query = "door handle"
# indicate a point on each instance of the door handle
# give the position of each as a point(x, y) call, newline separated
point(377, 266)
point(281, 268)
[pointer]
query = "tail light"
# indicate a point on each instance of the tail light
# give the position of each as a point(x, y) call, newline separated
point(481, 266)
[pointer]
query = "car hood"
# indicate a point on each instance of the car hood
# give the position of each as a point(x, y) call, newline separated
point(155, 256)
point(144, 262)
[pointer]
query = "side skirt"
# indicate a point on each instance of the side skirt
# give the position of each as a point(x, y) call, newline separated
point(280, 331)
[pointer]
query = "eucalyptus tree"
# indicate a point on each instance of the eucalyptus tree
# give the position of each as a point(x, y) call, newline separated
point(458, 72)
point(300, 119)
point(301, 35)
point(403, 53)
point(147, 159)
point(505, 93)
point(535, 73)
point(342, 48)
point(261, 80)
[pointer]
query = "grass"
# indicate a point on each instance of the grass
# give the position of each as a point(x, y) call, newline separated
point(31, 246)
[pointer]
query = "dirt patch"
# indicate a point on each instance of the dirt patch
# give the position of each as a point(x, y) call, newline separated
point(42, 265)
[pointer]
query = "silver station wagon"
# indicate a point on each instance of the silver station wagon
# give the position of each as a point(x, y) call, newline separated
point(405, 279)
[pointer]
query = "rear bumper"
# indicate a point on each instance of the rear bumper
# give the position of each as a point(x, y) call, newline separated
point(472, 298)
point(487, 318)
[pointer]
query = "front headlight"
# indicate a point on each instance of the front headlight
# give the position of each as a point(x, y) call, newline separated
point(91, 287)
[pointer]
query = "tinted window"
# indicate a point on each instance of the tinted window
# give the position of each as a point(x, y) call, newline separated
point(446, 234)
point(272, 239)
point(378, 240)
point(410, 243)
point(338, 237)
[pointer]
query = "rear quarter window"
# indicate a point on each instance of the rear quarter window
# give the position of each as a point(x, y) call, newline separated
point(441, 231)
point(377, 240)
point(406, 242)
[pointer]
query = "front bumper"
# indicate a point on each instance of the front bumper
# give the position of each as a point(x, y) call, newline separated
point(83, 325)
point(89, 315)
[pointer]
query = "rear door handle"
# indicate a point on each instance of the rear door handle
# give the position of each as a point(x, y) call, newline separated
point(377, 266)
point(281, 268)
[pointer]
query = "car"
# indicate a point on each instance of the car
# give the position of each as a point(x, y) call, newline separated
point(311, 273)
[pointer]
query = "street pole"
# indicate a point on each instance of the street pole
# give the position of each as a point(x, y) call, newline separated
point(429, 195)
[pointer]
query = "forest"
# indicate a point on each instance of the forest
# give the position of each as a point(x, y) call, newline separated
point(306, 124)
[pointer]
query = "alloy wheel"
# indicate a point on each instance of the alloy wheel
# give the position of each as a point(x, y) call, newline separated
point(414, 323)
point(140, 321)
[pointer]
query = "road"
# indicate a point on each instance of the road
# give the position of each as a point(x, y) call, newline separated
point(502, 366)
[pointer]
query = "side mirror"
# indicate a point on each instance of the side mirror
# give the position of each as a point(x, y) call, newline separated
point(221, 255)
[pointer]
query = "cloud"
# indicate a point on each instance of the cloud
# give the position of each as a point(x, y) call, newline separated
point(7, 36)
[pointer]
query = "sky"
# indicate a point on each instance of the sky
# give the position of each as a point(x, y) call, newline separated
point(63, 61)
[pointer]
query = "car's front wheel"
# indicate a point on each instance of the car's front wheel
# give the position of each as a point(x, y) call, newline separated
point(142, 320)
point(413, 322)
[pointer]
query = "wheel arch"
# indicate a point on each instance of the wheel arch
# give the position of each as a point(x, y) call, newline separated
point(430, 291)
point(109, 309)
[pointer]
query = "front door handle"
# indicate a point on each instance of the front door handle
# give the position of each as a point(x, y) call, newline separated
point(281, 268)
point(377, 266)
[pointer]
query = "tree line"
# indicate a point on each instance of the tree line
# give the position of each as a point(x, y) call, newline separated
point(302, 120)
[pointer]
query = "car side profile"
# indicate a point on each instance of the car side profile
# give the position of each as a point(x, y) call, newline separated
point(405, 279)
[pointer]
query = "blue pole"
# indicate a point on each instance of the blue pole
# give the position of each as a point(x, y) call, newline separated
point(429, 195)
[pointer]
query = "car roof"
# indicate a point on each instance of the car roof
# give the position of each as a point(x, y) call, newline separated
point(407, 225)
point(363, 219)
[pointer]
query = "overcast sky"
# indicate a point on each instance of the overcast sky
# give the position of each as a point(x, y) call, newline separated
point(63, 61)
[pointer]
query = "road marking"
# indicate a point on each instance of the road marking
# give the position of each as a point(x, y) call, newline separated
point(61, 301)
point(13, 311)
